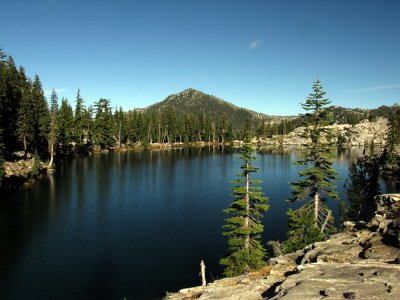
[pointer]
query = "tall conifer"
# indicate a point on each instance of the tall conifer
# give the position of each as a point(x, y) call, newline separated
point(244, 227)
point(2, 100)
point(65, 124)
point(41, 118)
point(26, 121)
point(103, 124)
point(79, 126)
point(317, 176)
point(53, 125)
point(11, 98)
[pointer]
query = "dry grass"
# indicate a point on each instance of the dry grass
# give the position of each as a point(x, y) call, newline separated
point(262, 273)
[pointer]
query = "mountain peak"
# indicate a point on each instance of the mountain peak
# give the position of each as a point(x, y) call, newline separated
point(190, 91)
point(196, 103)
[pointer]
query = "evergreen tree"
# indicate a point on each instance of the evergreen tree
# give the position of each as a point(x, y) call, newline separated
point(103, 125)
point(65, 131)
point(169, 124)
point(223, 127)
point(135, 125)
point(79, 126)
point(247, 130)
point(26, 121)
point(390, 159)
point(200, 130)
point(11, 98)
point(41, 119)
point(53, 126)
point(361, 187)
point(1, 156)
point(87, 121)
point(318, 174)
point(188, 129)
point(120, 126)
point(244, 227)
point(2, 100)
point(302, 230)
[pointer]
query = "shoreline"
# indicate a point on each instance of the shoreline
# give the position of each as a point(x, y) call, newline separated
point(23, 176)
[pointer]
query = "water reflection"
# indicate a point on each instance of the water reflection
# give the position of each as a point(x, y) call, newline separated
point(133, 224)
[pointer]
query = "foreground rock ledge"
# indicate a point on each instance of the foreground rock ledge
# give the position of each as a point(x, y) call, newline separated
point(363, 262)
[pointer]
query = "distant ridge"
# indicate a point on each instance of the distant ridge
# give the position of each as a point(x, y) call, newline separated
point(196, 103)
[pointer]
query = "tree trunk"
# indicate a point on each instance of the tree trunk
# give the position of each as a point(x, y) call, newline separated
point(316, 208)
point(25, 146)
point(149, 135)
point(51, 156)
point(326, 221)
point(203, 273)
point(247, 217)
point(159, 133)
point(119, 135)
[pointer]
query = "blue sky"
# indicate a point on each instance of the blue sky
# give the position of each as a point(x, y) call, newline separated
point(262, 55)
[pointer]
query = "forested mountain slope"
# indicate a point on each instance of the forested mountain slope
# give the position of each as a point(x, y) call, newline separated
point(191, 101)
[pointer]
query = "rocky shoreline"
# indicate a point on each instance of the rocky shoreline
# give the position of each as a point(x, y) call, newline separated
point(362, 262)
point(22, 173)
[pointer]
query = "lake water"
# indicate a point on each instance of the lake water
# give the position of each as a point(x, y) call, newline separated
point(132, 224)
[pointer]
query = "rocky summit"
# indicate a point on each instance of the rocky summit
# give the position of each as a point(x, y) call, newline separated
point(362, 262)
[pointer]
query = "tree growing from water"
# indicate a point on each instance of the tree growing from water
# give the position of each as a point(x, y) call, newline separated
point(315, 185)
point(243, 228)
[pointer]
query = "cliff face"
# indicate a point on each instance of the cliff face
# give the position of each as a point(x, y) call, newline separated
point(361, 134)
point(363, 262)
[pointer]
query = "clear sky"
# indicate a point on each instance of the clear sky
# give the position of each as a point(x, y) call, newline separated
point(261, 55)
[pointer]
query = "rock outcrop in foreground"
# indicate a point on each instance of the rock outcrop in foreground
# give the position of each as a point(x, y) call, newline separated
point(363, 262)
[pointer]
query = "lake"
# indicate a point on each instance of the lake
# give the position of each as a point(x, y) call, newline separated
point(133, 224)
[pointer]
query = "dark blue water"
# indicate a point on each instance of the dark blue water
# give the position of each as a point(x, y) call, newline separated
point(133, 224)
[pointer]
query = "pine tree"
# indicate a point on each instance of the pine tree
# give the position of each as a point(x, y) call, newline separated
point(302, 230)
point(79, 127)
point(2, 100)
point(188, 128)
point(11, 98)
point(53, 126)
point(244, 227)
point(1, 155)
point(223, 127)
point(169, 124)
point(41, 119)
point(26, 121)
point(390, 159)
point(135, 126)
point(361, 187)
point(318, 174)
point(87, 121)
point(65, 129)
point(103, 125)
point(120, 126)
